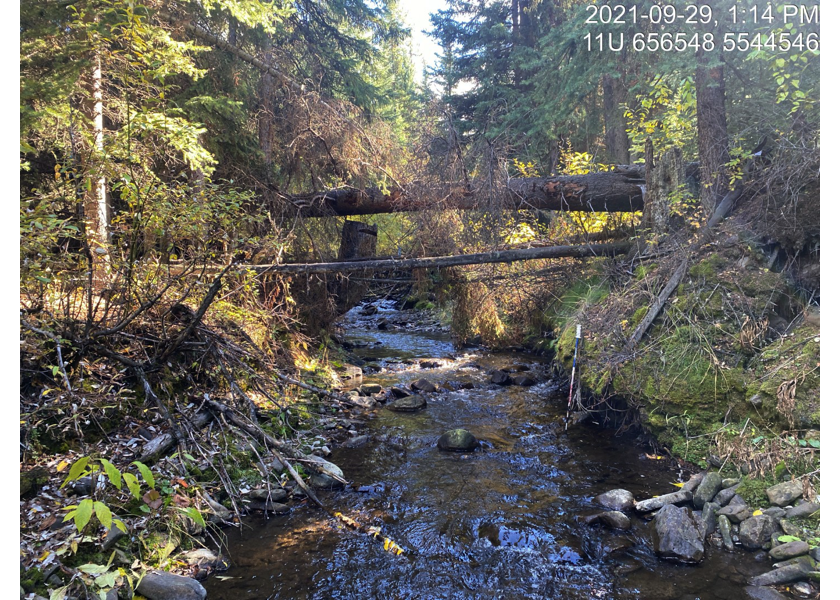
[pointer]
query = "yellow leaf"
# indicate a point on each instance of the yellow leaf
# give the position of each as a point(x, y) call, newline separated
point(757, 512)
point(61, 466)
point(44, 555)
point(679, 485)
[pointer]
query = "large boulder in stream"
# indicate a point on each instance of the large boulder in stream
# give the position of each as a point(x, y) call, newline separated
point(457, 440)
point(678, 535)
point(408, 404)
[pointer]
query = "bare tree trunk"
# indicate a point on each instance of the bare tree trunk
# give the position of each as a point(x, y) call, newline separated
point(662, 177)
point(615, 130)
point(712, 139)
point(358, 240)
point(267, 90)
point(96, 198)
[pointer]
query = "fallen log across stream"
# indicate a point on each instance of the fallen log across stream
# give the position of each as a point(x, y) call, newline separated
point(496, 256)
point(618, 191)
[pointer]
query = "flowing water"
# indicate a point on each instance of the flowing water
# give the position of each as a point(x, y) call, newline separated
point(502, 522)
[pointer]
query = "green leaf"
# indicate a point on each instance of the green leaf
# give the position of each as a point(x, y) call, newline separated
point(108, 579)
point(83, 513)
point(93, 569)
point(103, 513)
point(146, 472)
point(193, 513)
point(133, 484)
point(76, 470)
point(59, 593)
point(112, 472)
point(814, 443)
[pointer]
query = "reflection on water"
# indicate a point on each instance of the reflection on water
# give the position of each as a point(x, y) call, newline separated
point(502, 522)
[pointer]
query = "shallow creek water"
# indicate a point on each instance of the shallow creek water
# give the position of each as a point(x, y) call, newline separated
point(498, 523)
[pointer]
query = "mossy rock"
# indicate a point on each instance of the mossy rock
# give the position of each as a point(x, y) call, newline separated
point(457, 440)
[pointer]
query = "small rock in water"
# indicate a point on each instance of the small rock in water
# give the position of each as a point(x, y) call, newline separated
point(726, 532)
point(616, 500)
point(500, 378)
point(408, 404)
point(786, 574)
point(615, 519)
point(356, 442)
point(524, 380)
point(369, 389)
point(157, 585)
point(204, 558)
point(784, 493)
point(423, 385)
point(323, 480)
point(457, 440)
point(803, 589)
point(429, 364)
point(399, 392)
point(676, 534)
point(369, 310)
point(708, 517)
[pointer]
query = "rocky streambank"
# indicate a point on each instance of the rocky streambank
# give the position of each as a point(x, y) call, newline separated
point(708, 510)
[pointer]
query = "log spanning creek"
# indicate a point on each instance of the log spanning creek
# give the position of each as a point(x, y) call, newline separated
point(505, 521)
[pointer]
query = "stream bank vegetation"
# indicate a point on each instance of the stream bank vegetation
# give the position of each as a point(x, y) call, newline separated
point(173, 153)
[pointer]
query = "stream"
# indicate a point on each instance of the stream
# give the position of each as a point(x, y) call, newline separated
point(502, 522)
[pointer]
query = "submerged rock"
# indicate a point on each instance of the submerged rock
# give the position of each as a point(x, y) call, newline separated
point(457, 440)
point(615, 519)
point(616, 500)
point(408, 404)
point(500, 378)
point(677, 535)
point(524, 380)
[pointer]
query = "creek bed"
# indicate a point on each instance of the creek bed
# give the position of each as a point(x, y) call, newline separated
point(503, 521)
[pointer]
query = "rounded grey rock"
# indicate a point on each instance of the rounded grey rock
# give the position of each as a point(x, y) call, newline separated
point(457, 440)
